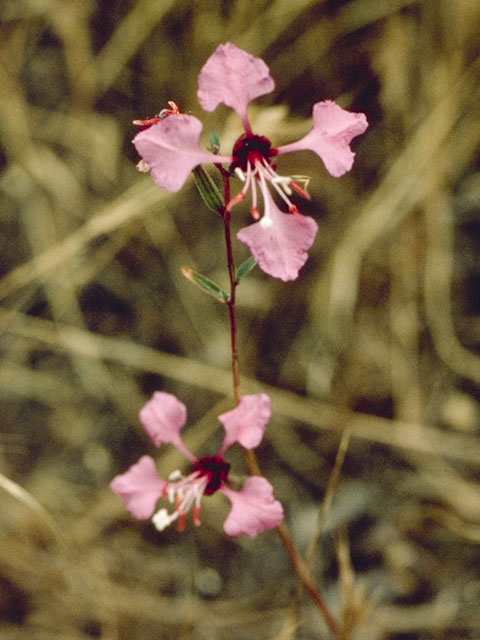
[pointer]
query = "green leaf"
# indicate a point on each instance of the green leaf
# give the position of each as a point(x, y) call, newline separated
point(245, 268)
point(208, 190)
point(214, 142)
point(206, 284)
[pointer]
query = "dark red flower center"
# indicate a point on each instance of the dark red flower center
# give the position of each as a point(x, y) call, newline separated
point(251, 148)
point(215, 469)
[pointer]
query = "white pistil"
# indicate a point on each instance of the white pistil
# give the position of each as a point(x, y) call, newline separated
point(266, 222)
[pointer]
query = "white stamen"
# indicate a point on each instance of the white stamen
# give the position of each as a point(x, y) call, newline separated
point(283, 182)
point(176, 475)
point(187, 501)
point(162, 519)
point(240, 174)
point(199, 487)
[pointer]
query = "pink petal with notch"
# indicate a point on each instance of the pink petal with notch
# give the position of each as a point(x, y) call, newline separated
point(140, 488)
point(234, 77)
point(254, 508)
point(279, 241)
point(163, 417)
point(171, 149)
point(333, 130)
point(246, 423)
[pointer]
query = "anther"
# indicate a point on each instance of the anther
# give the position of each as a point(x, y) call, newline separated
point(161, 519)
point(173, 111)
point(300, 190)
point(196, 516)
point(235, 200)
point(142, 166)
point(240, 174)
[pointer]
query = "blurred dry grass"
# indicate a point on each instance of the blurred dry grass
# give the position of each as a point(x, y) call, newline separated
point(378, 339)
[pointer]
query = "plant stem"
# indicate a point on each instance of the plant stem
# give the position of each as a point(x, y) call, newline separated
point(233, 283)
point(231, 307)
point(298, 564)
point(303, 574)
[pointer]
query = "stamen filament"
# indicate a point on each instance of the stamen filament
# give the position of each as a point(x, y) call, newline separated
point(279, 183)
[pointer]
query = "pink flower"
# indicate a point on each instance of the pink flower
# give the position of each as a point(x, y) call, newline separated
point(171, 148)
point(254, 508)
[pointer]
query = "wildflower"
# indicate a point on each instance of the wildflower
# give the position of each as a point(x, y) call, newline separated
point(170, 147)
point(253, 507)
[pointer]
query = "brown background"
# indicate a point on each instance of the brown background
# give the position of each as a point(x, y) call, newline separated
point(378, 340)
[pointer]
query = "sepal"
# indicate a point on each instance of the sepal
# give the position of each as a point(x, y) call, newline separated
point(207, 189)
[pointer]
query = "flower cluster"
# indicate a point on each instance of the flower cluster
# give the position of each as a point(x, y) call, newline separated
point(254, 508)
point(170, 147)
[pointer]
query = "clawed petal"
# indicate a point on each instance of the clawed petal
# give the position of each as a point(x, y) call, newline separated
point(279, 241)
point(234, 77)
point(171, 150)
point(140, 487)
point(254, 508)
point(163, 418)
point(246, 423)
point(333, 130)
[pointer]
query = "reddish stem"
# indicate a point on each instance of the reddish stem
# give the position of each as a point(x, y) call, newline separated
point(233, 284)
point(298, 564)
point(231, 307)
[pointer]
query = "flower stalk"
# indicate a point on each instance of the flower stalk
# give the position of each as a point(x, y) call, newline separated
point(279, 240)
point(298, 564)
point(231, 305)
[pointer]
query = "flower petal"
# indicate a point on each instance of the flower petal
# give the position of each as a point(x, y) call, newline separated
point(140, 487)
point(163, 418)
point(234, 77)
point(333, 130)
point(279, 241)
point(246, 423)
point(254, 508)
point(171, 149)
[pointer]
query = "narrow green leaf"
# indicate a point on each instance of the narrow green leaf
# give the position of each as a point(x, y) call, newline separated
point(208, 190)
point(206, 284)
point(245, 268)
